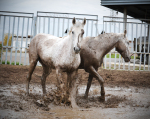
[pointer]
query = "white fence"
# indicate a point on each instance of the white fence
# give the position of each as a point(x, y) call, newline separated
point(138, 33)
point(20, 28)
point(14, 30)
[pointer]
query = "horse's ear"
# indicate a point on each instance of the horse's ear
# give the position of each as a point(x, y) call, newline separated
point(74, 21)
point(66, 31)
point(84, 21)
point(125, 32)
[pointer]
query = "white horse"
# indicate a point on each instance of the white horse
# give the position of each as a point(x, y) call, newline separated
point(57, 53)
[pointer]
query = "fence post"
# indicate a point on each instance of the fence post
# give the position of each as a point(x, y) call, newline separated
point(35, 26)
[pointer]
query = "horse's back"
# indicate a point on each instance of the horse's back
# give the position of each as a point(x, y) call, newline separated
point(40, 38)
point(43, 40)
point(40, 43)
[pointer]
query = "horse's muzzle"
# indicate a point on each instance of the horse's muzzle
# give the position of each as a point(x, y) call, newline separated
point(127, 59)
point(76, 49)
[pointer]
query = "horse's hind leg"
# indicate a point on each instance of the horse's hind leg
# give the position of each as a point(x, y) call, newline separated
point(31, 69)
point(88, 85)
point(100, 80)
point(46, 72)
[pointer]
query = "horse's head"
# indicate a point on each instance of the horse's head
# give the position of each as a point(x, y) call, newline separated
point(123, 47)
point(76, 33)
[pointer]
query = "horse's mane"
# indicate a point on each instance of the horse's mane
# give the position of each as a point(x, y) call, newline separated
point(70, 31)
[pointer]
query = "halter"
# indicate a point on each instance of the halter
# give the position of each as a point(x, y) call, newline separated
point(132, 54)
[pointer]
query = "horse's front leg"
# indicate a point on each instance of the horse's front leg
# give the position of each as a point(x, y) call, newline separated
point(100, 80)
point(73, 84)
point(60, 84)
point(68, 81)
point(59, 78)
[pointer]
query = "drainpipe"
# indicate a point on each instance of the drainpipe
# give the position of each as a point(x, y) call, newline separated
point(125, 17)
point(148, 31)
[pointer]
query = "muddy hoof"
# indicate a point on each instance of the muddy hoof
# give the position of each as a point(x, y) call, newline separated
point(74, 106)
point(102, 99)
point(27, 94)
point(45, 109)
point(85, 97)
point(40, 103)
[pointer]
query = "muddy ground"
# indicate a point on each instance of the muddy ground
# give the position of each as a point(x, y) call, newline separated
point(127, 95)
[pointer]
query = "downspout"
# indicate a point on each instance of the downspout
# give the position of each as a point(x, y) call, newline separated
point(125, 17)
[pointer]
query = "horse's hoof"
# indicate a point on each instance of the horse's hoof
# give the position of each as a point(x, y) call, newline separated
point(74, 106)
point(27, 93)
point(44, 96)
point(85, 97)
point(102, 98)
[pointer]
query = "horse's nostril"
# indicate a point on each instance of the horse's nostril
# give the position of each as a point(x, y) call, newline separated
point(74, 49)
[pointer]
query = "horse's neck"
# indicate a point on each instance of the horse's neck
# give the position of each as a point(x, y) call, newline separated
point(108, 42)
point(68, 46)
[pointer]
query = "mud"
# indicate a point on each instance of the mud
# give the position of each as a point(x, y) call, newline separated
point(127, 96)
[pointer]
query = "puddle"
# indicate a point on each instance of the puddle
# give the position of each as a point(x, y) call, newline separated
point(8, 90)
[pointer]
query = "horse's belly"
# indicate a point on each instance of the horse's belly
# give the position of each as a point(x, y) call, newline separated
point(68, 64)
point(68, 67)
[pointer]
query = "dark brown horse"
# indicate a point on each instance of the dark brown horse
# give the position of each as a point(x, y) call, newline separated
point(93, 50)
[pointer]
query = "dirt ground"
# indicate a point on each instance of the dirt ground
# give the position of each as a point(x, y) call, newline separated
point(127, 95)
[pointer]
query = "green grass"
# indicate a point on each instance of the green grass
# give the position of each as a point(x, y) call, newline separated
point(138, 68)
point(0, 50)
point(132, 57)
point(117, 56)
point(112, 56)
point(13, 63)
point(108, 67)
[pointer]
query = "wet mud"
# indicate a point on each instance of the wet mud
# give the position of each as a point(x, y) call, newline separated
point(125, 98)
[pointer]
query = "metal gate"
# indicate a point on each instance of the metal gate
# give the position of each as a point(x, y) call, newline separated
point(138, 33)
point(56, 23)
point(17, 30)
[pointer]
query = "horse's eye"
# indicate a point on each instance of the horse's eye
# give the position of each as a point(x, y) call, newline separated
point(72, 32)
point(82, 31)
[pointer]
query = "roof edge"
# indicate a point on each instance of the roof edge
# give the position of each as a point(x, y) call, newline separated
point(124, 2)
